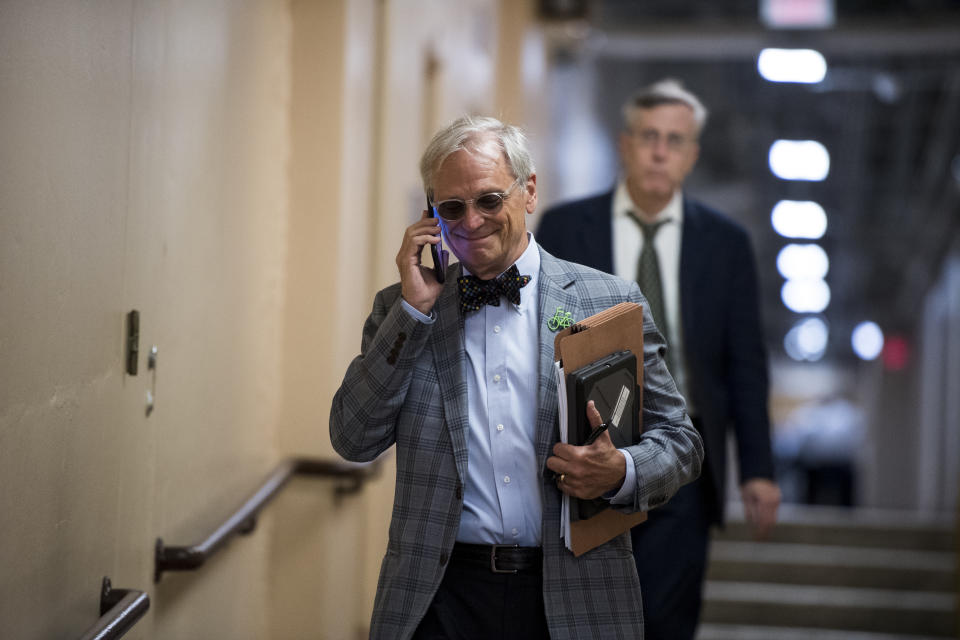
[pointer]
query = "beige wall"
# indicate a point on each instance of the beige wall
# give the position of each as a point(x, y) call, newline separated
point(240, 172)
point(144, 150)
point(317, 552)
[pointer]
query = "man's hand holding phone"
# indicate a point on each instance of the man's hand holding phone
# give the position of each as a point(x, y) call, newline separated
point(420, 286)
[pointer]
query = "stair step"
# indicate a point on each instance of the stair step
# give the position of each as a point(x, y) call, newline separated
point(803, 524)
point(838, 608)
point(833, 565)
point(750, 632)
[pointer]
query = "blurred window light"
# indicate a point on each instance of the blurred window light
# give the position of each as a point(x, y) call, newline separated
point(799, 160)
point(807, 340)
point(798, 14)
point(799, 219)
point(803, 262)
point(805, 296)
point(867, 340)
point(792, 65)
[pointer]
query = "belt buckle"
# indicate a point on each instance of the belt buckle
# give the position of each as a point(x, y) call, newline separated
point(493, 557)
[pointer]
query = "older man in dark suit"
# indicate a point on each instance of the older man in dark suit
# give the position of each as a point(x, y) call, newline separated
point(696, 268)
point(459, 376)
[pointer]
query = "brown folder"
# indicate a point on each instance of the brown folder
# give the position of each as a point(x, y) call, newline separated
point(615, 329)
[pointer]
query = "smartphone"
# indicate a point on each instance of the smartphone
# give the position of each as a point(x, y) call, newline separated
point(436, 250)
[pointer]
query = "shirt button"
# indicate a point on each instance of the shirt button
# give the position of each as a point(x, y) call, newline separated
point(496, 329)
point(496, 378)
point(515, 531)
point(499, 427)
point(506, 479)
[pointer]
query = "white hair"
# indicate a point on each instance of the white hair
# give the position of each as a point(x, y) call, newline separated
point(467, 132)
point(667, 91)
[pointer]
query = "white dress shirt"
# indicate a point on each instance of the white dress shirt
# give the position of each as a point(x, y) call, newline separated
point(627, 245)
point(501, 500)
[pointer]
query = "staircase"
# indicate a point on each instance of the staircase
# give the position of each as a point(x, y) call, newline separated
point(833, 574)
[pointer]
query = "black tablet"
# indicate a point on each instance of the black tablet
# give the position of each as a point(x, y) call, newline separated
point(611, 382)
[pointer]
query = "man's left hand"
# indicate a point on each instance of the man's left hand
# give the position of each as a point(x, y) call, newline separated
point(590, 471)
point(761, 497)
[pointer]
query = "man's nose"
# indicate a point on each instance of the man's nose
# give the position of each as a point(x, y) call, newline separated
point(472, 218)
point(661, 147)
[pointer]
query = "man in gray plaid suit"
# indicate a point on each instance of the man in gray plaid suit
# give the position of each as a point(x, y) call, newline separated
point(459, 376)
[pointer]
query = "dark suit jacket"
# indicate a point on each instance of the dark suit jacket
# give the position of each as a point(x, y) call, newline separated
point(408, 388)
point(725, 352)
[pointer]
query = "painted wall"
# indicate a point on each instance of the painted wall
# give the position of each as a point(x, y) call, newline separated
point(241, 173)
point(144, 153)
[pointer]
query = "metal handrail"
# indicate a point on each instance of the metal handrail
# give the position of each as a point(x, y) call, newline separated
point(244, 519)
point(120, 609)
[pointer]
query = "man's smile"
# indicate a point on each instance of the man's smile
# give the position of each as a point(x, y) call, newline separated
point(473, 237)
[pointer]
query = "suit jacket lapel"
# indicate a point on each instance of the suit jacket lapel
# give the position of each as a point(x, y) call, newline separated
point(598, 236)
point(449, 357)
point(554, 292)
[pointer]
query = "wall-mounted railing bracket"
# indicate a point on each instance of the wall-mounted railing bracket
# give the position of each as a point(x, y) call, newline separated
point(120, 609)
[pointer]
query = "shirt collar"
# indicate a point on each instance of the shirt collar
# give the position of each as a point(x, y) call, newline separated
point(622, 203)
point(529, 261)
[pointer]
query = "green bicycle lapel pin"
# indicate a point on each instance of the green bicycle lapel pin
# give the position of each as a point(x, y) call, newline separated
point(561, 320)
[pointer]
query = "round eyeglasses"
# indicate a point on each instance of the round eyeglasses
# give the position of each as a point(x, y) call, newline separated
point(488, 204)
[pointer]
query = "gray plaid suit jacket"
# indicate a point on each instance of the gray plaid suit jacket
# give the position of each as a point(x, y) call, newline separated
point(408, 388)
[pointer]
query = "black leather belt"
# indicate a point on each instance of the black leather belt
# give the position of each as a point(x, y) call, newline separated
point(499, 558)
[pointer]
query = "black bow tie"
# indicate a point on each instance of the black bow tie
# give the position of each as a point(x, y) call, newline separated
point(474, 292)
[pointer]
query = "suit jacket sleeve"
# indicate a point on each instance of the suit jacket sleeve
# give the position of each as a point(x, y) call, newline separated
point(368, 403)
point(747, 368)
point(670, 452)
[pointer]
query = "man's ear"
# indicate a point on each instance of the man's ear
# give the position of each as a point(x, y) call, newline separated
point(531, 193)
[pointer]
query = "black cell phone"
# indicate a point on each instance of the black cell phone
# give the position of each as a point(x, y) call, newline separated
point(436, 250)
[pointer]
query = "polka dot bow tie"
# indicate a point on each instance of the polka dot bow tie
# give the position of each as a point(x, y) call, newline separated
point(474, 292)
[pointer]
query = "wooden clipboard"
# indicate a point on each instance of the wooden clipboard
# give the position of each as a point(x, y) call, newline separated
point(615, 329)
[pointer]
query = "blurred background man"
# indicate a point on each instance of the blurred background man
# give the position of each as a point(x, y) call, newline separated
point(696, 268)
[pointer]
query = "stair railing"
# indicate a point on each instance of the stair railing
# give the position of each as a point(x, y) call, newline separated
point(244, 519)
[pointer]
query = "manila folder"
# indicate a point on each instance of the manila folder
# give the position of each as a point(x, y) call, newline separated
point(615, 329)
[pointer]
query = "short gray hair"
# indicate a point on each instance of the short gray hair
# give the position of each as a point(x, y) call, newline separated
point(467, 133)
point(668, 91)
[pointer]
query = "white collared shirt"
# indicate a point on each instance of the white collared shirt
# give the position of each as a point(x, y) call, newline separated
point(627, 245)
point(501, 500)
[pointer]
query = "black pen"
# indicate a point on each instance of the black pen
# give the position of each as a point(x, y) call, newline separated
point(595, 434)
